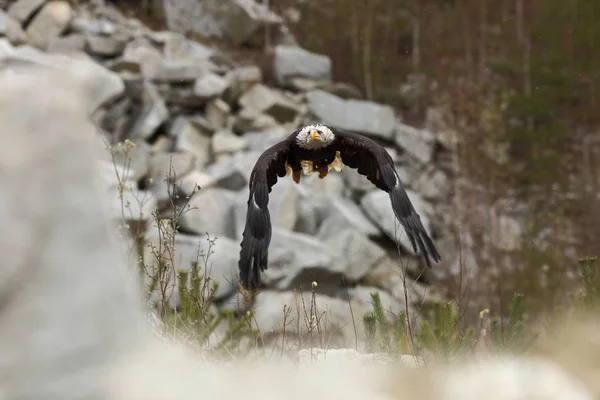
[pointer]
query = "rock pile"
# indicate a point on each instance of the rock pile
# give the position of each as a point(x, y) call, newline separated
point(191, 109)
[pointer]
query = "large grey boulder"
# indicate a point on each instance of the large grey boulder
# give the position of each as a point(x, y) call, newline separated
point(262, 99)
point(333, 316)
point(191, 140)
point(210, 210)
point(296, 260)
point(11, 28)
point(210, 86)
point(240, 80)
point(292, 62)
point(227, 142)
point(215, 255)
point(361, 116)
point(378, 208)
point(355, 253)
point(233, 173)
point(152, 115)
point(236, 21)
point(50, 22)
point(70, 302)
point(417, 142)
point(102, 86)
point(342, 213)
point(21, 10)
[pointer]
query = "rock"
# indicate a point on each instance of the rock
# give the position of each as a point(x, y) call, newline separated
point(296, 260)
point(11, 28)
point(102, 85)
point(356, 182)
point(392, 306)
point(95, 27)
point(356, 254)
point(340, 214)
point(170, 167)
point(211, 210)
point(52, 20)
point(217, 111)
point(508, 232)
point(194, 181)
point(331, 185)
point(342, 89)
point(242, 79)
point(418, 143)
point(111, 173)
point(139, 56)
point(294, 62)
point(136, 159)
point(227, 142)
point(217, 256)
point(310, 214)
point(107, 46)
point(236, 21)
point(79, 291)
point(162, 144)
point(181, 96)
point(365, 117)
point(250, 120)
point(21, 10)
point(6, 50)
point(261, 99)
point(388, 275)
point(433, 185)
point(209, 86)
point(190, 140)
point(334, 315)
point(259, 141)
point(177, 46)
point(132, 205)
point(152, 115)
point(233, 173)
point(378, 208)
point(75, 43)
point(176, 71)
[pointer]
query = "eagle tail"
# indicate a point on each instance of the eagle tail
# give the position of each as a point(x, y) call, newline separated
point(410, 220)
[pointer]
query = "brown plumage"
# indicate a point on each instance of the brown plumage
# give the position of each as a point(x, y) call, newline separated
point(320, 148)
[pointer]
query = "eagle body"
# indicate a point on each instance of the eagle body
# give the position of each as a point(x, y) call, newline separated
point(320, 148)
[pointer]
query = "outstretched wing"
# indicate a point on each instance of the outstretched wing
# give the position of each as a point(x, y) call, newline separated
point(257, 232)
point(373, 161)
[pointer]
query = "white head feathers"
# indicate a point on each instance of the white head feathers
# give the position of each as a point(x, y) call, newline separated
point(314, 136)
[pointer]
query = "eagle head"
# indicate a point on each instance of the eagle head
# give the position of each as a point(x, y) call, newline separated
point(314, 136)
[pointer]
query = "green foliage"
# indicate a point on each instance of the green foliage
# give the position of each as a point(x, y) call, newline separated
point(512, 338)
point(443, 336)
point(588, 300)
point(381, 335)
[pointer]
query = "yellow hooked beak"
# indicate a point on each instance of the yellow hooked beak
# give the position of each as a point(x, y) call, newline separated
point(314, 135)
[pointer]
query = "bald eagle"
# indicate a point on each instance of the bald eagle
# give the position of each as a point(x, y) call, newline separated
point(320, 148)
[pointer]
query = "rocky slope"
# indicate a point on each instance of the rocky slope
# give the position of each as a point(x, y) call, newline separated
point(187, 105)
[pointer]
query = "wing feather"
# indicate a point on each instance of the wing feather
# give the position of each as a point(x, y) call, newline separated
point(257, 231)
point(373, 161)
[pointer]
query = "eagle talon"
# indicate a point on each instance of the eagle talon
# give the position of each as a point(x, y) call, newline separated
point(296, 176)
